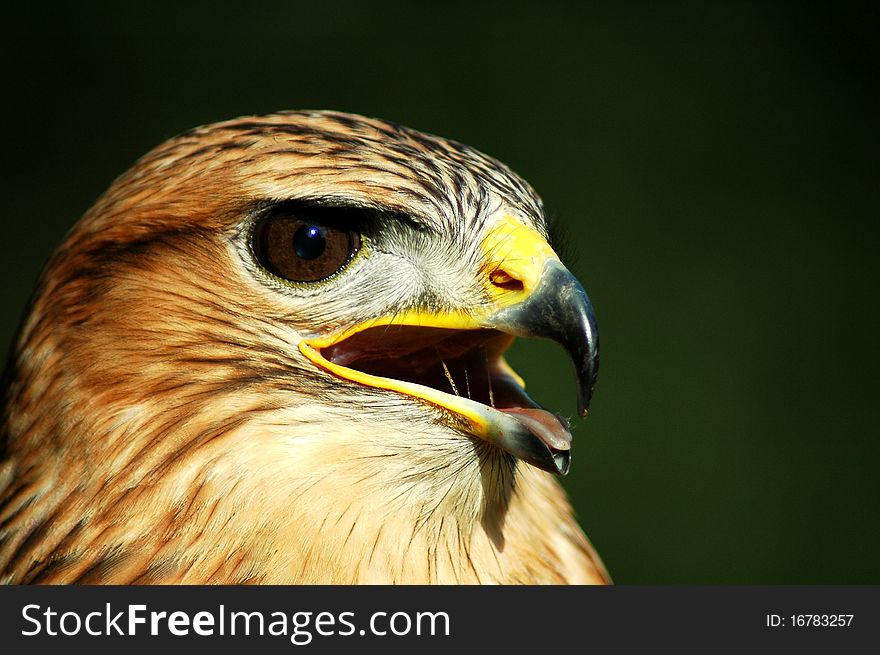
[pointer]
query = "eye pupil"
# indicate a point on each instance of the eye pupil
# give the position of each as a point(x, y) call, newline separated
point(309, 241)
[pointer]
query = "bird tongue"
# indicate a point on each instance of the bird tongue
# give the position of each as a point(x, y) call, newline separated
point(551, 429)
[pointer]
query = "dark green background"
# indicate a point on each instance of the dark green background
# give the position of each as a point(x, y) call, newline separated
point(716, 166)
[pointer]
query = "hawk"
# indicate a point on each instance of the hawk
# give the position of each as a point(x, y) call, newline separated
point(273, 352)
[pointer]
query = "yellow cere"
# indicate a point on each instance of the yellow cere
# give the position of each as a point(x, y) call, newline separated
point(518, 251)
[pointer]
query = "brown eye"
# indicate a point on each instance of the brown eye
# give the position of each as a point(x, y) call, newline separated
point(303, 250)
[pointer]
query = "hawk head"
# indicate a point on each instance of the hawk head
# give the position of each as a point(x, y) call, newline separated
point(273, 351)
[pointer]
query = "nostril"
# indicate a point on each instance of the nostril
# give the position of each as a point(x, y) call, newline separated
point(504, 280)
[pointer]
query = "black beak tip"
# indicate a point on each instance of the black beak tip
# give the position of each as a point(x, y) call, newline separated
point(586, 385)
point(584, 402)
point(587, 372)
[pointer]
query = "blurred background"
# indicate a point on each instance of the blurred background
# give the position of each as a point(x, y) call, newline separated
point(715, 166)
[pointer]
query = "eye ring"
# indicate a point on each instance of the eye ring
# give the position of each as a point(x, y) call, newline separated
point(297, 247)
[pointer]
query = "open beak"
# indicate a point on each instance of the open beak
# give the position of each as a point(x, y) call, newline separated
point(454, 360)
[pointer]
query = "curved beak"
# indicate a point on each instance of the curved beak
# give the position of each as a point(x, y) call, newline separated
point(560, 310)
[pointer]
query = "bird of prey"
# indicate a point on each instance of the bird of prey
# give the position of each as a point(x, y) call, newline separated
point(273, 352)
